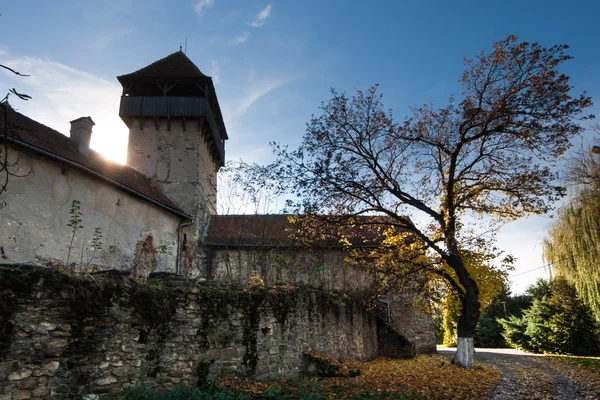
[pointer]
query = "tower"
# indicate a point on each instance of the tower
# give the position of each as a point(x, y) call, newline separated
point(176, 131)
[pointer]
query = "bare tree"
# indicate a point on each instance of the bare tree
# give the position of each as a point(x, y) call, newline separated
point(5, 164)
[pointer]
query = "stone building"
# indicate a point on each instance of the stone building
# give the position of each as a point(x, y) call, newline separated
point(66, 205)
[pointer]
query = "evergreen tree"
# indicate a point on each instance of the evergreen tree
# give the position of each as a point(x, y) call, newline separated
point(557, 322)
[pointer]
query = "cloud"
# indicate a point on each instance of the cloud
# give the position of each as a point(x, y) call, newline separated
point(255, 93)
point(241, 39)
point(215, 72)
point(200, 5)
point(261, 18)
point(61, 94)
point(103, 40)
point(237, 107)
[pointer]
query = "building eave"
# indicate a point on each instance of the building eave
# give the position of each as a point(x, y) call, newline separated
point(98, 175)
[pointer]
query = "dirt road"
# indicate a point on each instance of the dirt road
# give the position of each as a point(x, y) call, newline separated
point(537, 377)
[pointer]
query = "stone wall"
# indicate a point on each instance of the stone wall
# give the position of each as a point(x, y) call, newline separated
point(177, 159)
point(327, 268)
point(34, 219)
point(61, 336)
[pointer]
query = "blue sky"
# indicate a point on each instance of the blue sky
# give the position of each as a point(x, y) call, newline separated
point(274, 61)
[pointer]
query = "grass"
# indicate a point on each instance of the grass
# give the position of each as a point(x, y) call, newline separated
point(592, 363)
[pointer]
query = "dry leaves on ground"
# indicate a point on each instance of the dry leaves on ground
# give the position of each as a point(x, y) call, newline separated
point(583, 371)
point(428, 377)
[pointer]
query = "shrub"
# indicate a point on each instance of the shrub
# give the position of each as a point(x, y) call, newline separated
point(557, 322)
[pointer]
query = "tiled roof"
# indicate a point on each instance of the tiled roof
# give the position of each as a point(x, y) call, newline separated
point(24, 131)
point(288, 230)
point(174, 66)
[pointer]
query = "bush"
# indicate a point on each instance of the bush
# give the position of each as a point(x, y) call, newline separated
point(557, 322)
point(514, 332)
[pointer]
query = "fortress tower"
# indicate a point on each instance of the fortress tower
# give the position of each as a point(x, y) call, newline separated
point(176, 131)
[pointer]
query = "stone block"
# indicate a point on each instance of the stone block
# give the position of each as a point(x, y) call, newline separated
point(19, 375)
point(21, 395)
point(112, 388)
point(57, 343)
point(129, 347)
point(122, 371)
point(60, 334)
point(106, 381)
point(274, 350)
point(40, 392)
point(49, 326)
point(50, 368)
point(28, 384)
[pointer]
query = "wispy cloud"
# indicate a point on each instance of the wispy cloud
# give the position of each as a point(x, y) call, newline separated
point(261, 18)
point(104, 39)
point(200, 5)
point(241, 39)
point(61, 94)
point(215, 72)
point(255, 90)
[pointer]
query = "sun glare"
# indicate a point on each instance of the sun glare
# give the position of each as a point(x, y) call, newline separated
point(110, 140)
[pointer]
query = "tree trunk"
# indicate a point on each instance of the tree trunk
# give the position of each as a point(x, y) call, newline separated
point(465, 351)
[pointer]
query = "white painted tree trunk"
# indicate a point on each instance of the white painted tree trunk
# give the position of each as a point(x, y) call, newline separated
point(465, 352)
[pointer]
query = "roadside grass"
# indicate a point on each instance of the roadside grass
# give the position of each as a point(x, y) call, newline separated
point(422, 377)
point(592, 363)
point(581, 370)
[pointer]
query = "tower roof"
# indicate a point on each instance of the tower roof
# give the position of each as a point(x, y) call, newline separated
point(173, 66)
point(178, 70)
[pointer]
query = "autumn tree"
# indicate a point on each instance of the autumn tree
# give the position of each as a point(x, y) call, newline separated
point(486, 156)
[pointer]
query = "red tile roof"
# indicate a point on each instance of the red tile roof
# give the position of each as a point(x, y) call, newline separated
point(289, 230)
point(26, 132)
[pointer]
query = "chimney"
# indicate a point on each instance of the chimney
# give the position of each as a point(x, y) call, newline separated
point(81, 133)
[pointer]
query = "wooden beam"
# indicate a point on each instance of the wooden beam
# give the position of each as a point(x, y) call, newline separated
point(168, 88)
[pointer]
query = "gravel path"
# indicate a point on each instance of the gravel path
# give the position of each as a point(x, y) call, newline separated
point(536, 377)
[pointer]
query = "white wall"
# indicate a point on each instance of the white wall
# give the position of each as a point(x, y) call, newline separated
point(34, 219)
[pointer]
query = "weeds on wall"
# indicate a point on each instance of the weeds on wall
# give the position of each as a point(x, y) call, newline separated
point(145, 257)
point(96, 245)
point(75, 220)
point(76, 224)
